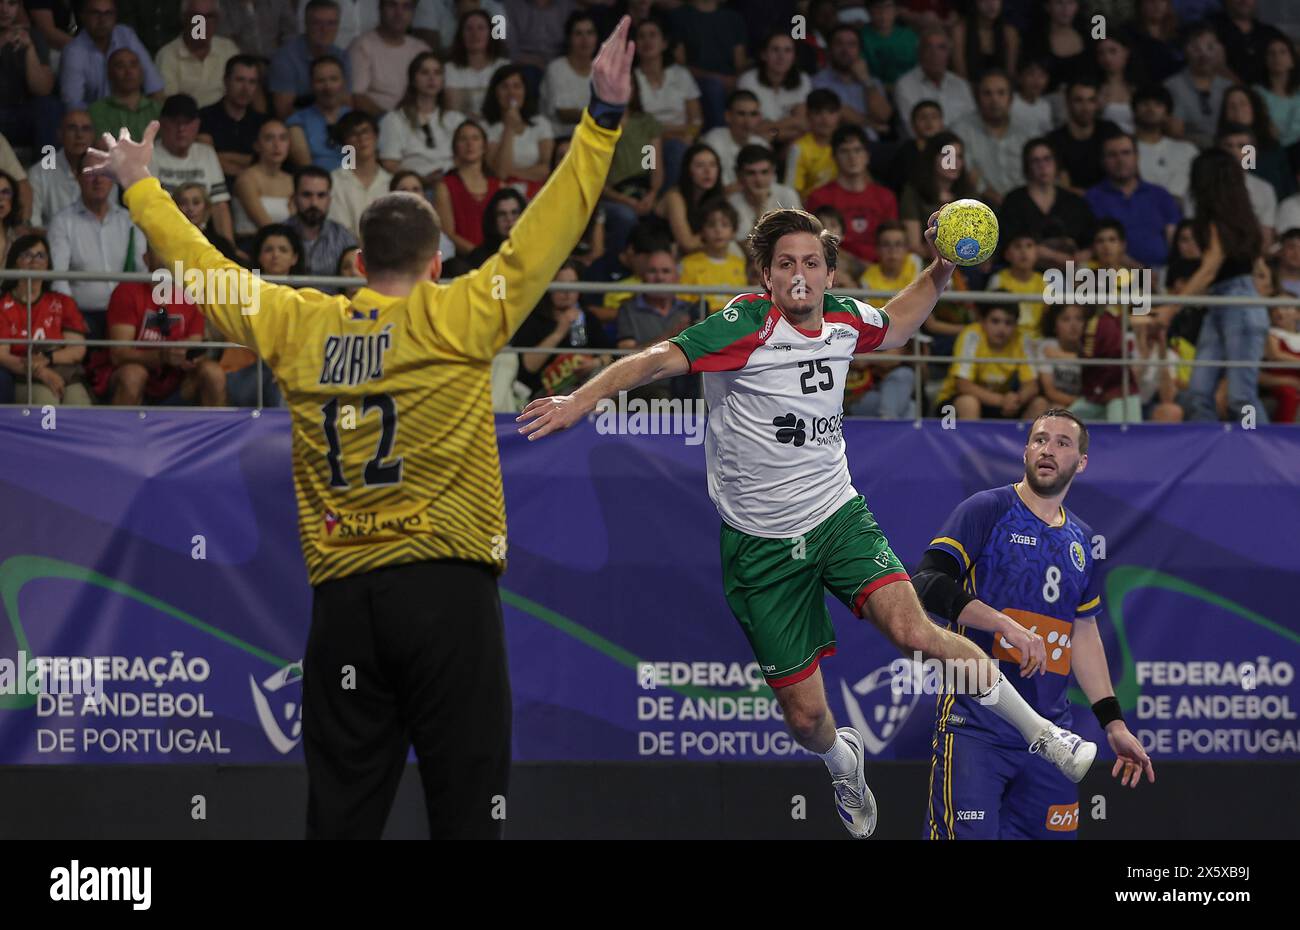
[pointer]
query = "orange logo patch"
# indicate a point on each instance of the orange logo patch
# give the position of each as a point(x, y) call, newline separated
point(1063, 818)
point(1055, 632)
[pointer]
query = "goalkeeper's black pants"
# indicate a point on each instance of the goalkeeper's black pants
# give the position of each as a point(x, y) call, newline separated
point(407, 655)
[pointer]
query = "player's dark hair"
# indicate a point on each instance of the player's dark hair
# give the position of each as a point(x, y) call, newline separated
point(1067, 415)
point(399, 233)
point(774, 224)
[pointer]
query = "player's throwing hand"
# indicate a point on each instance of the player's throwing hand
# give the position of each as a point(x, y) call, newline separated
point(932, 230)
point(611, 72)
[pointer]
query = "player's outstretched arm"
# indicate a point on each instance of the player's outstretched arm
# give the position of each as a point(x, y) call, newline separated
point(911, 306)
point(551, 414)
point(1088, 660)
point(235, 297)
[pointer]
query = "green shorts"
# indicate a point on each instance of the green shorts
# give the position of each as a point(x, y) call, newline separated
point(776, 587)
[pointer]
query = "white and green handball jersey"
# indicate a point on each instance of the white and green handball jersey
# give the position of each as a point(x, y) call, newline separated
point(775, 444)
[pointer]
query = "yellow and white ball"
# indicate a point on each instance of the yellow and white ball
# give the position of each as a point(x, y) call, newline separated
point(967, 233)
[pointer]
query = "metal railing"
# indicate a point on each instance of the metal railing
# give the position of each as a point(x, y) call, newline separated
point(916, 359)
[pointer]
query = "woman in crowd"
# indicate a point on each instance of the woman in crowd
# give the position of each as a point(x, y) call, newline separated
point(192, 199)
point(57, 373)
point(1120, 75)
point(781, 89)
point(1243, 106)
point(699, 182)
point(1056, 36)
point(475, 57)
point(936, 180)
point(983, 39)
point(264, 189)
point(668, 93)
point(417, 135)
point(566, 86)
point(1281, 91)
point(462, 194)
point(1283, 345)
point(499, 217)
point(1228, 333)
point(277, 250)
point(519, 140)
point(11, 224)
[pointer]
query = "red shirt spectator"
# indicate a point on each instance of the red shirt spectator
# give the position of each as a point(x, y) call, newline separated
point(467, 208)
point(863, 211)
point(1103, 337)
point(52, 314)
point(133, 304)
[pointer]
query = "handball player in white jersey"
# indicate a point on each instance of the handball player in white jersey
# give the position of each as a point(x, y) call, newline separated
point(774, 366)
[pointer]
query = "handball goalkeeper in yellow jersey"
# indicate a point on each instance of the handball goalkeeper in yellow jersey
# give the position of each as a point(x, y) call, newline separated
point(400, 506)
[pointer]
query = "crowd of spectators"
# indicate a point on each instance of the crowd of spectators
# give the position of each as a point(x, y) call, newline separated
point(1114, 137)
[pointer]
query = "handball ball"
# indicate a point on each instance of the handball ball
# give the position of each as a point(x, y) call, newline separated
point(968, 232)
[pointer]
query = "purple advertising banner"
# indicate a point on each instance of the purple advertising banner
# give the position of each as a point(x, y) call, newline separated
point(156, 557)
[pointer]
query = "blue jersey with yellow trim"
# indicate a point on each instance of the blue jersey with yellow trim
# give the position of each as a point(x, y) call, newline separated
point(1041, 575)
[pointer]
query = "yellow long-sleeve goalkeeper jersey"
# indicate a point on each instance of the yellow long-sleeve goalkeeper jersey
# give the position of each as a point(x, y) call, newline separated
point(394, 448)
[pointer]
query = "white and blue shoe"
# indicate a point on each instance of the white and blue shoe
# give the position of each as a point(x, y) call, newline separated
point(1069, 752)
point(853, 799)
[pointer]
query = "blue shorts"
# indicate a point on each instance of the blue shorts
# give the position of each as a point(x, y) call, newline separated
point(979, 791)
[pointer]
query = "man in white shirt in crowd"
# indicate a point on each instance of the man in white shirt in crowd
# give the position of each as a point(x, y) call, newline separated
point(759, 190)
point(194, 62)
point(381, 57)
point(993, 144)
point(179, 158)
point(743, 116)
point(1161, 159)
point(931, 80)
point(94, 233)
point(54, 183)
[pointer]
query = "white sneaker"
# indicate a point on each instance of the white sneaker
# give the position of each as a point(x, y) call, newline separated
point(853, 799)
point(1070, 753)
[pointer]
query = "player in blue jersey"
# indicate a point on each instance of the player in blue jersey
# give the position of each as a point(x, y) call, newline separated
point(1007, 560)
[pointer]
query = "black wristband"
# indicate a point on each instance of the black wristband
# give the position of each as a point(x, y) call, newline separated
point(1107, 711)
point(607, 115)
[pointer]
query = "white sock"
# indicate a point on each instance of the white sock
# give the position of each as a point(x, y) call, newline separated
point(840, 758)
point(1005, 701)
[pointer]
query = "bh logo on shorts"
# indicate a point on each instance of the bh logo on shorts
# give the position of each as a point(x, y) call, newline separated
point(291, 706)
point(883, 710)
